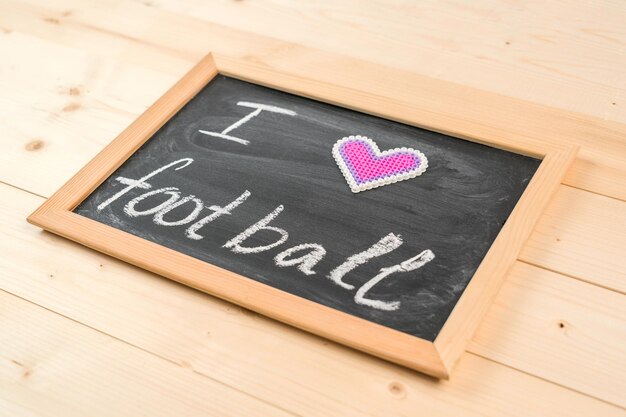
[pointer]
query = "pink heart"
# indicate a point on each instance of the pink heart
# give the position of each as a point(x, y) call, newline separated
point(365, 167)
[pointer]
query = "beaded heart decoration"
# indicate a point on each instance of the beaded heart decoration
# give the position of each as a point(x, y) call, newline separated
point(365, 167)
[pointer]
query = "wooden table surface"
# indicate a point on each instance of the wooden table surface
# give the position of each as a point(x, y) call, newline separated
point(82, 334)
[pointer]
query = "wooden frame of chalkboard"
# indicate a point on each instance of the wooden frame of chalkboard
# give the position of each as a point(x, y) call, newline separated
point(432, 357)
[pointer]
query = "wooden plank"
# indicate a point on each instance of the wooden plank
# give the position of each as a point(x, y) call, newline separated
point(583, 235)
point(239, 348)
point(560, 329)
point(37, 20)
point(600, 167)
point(17, 410)
point(63, 368)
point(110, 49)
point(62, 117)
point(572, 43)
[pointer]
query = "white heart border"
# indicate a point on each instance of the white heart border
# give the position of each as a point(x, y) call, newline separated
point(356, 188)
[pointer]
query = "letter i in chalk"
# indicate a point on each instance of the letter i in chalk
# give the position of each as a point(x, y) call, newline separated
point(365, 167)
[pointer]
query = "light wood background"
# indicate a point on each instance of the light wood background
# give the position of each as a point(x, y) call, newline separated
point(83, 334)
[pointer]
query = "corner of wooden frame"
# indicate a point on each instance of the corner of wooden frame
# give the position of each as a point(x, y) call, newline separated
point(442, 367)
point(37, 218)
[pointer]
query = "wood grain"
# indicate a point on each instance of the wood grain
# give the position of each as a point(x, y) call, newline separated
point(115, 58)
point(494, 41)
point(50, 371)
point(558, 328)
point(68, 113)
point(582, 235)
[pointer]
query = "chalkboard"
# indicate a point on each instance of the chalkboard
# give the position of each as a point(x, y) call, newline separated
point(239, 153)
point(379, 235)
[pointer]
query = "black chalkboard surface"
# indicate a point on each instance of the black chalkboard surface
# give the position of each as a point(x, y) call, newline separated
point(239, 155)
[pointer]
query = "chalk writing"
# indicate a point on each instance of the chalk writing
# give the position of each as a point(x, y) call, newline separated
point(235, 243)
point(258, 109)
point(382, 247)
point(409, 265)
point(192, 231)
point(160, 203)
point(304, 263)
point(141, 183)
point(152, 203)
